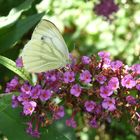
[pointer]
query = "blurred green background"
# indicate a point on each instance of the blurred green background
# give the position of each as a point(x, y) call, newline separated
point(85, 33)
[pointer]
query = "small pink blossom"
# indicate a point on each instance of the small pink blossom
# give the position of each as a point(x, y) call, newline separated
point(69, 76)
point(19, 62)
point(136, 68)
point(29, 107)
point(59, 113)
point(109, 104)
point(131, 100)
point(76, 90)
point(23, 97)
point(86, 60)
point(85, 76)
point(105, 91)
point(113, 83)
point(93, 123)
point(115, 65)
point(26, 88)
point(138, 87)
point(104, 55)
point(71, 123)
point(100, 78)
point(90, 105)
point(15, 101)
point(35, 92)
point(45, 95)
point(128, 81)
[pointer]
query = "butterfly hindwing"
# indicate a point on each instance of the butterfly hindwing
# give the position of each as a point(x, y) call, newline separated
point(36, 60)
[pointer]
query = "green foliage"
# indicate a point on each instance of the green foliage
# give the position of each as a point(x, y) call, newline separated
point(15, 32)
point(12, 66)
point(14, 14)
point(5, 100)
point(10, 119)
point(91, 33)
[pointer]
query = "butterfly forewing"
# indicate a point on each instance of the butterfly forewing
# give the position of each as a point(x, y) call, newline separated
point(47, 31)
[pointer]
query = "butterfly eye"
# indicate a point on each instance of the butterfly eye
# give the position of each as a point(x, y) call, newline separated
point(42, 38)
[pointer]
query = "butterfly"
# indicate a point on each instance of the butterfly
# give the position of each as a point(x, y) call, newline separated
point(46, 50)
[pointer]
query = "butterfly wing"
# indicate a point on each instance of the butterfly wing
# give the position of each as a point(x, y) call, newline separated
point(47, 31)
point(39, 56)
point(46, 50)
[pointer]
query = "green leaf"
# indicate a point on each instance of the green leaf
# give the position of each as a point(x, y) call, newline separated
point(10, 119)
point(62, 128)
point(15, 13)
point(11, 65)
point(52, 133)
point(5, 100)
point(11, 35)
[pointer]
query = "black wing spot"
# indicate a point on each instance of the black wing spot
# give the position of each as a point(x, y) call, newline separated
point(42, 38)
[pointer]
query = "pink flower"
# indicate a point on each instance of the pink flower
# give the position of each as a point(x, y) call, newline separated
point(23, 97)
point(128, 81)
point(29, 107)
point(76, 90)
point(19, 62)
point(26, 88)
point(15, 101)
point(100, 78)
point(12, 85)
point(35, 92)
point(93, 123)
point(90, 105)
point(109, 104)
point(51, 76)
point(86, 60)
point(106, 63)
point(35, 133)
point(115, 65)
point(45, 95)
point(104, 55)
point(138, 87)
point(113, 83)
point(69, 77)
point(136, 68)
point(29, 129)
point(59, 113)
point(105, 91)
point(85, 76)
point(71, 123)
point(131, 100)
point(106, 8)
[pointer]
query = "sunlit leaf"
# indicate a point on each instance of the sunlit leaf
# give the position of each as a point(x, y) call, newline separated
point(5, 100)
point(15, 13)
point(12, 34)
point(11, 65)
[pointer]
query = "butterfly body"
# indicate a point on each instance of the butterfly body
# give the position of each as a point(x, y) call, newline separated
point(46, 50)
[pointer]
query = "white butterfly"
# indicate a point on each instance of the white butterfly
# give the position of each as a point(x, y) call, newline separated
point(46, 50)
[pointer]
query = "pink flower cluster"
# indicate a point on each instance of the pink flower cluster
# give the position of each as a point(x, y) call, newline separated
point(106, 8)
point(100, 89)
